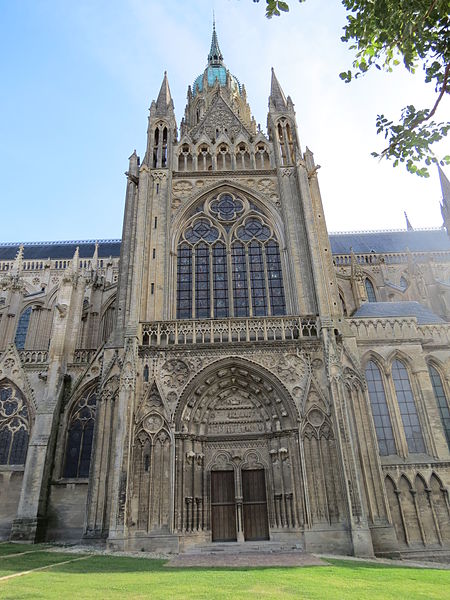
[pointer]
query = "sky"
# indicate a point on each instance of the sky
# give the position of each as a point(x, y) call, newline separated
point(78, 77)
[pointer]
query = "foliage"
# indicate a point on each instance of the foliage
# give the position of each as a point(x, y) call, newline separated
point(384, 34)
point(115, 577)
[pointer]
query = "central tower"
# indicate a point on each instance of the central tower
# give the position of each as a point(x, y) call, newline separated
point(234, 366)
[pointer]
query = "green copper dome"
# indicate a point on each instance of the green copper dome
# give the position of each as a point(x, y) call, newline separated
point(215, 70)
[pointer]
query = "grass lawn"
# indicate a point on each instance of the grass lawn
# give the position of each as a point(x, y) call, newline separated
point(110, 577)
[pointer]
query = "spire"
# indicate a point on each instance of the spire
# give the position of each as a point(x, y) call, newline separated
point(164, 101)
point(18, 262)
point(445, 204)
point(277, 99)
point(409, 227)
point(215, 58)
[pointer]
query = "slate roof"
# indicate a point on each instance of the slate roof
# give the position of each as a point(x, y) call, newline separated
point(427, 240)
point(398, 309)
point(430, 240)
point(57, 250)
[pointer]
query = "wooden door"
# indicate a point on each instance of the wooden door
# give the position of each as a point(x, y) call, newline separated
point(223, 506)
point(256, 526)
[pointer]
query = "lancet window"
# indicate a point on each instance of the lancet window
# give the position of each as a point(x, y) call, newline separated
point(160, 138)
point(14, 425)
point(441, 399)
point(380, 411)
point(22, 328)
point(407, 406)
point(370, 290)
point(228, 263)
point(80, 436)
point(285, 142)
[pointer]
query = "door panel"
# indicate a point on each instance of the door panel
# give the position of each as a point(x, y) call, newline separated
point(223, 506)
point(256, 525)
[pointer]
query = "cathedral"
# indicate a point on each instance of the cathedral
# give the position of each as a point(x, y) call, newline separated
point(227, 372)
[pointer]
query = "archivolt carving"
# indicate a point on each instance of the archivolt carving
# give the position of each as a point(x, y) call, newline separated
point(235, 397)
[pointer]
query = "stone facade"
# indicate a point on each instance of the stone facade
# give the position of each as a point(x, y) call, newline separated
point(236, 373)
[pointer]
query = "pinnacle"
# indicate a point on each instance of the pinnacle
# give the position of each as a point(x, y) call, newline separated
point(277, 97)
point(215, 57)
point(164, 97)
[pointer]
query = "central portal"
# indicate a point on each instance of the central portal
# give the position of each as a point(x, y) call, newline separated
point(224, 515)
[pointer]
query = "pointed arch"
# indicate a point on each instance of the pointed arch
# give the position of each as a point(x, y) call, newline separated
point(441, 397)
point(80, 434)
point(440, 500)
point(15, 424)
point(228, 259)
point(202, 390)
point(424, 506)
point(380, 410)
point(393, 496)
point(370, 290)
point(22, 327)
point(407, 405)
point(107, 319)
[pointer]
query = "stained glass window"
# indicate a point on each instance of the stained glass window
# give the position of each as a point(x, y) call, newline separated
point(380, 411)
point(275, 277)
point(240, 284)
point(228, 242)
point(202, 290)
point(370, 290)
point(184, 283)
point(441, 400)
point(14, 425)
point(220, 281)
point(22, 328)
point(407, 406)
point(80, 436)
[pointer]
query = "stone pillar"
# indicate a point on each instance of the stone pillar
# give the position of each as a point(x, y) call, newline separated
point(29, 524)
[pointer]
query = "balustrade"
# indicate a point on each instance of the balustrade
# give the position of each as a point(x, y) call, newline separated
point(222, 331)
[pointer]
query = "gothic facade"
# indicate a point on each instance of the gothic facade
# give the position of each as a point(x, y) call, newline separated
point(227, 371)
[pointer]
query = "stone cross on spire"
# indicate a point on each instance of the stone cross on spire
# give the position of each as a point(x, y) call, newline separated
point(215, 57)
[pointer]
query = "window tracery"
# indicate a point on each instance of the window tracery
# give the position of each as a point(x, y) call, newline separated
point(229, 263)
point(80, 433)
point(14, 425)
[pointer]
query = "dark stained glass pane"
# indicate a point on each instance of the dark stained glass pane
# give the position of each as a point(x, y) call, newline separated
point(407, 406)
point(22, 329)
point(73, 449)
point(184, 282)
point(19, 447)
point(258, 280)
point(86, 449)
point(370, 291)
point(275, 279)
point(80, 437)
point(13, 425)
point(240, 287)
point(220, 281)
point(441, 400)
point(380, 411)
point(5, 444)
point(202, 289)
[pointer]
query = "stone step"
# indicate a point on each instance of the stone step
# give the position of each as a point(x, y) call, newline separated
point(245, 548)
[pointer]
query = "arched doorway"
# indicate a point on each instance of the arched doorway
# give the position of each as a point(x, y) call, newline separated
point(238, 472)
